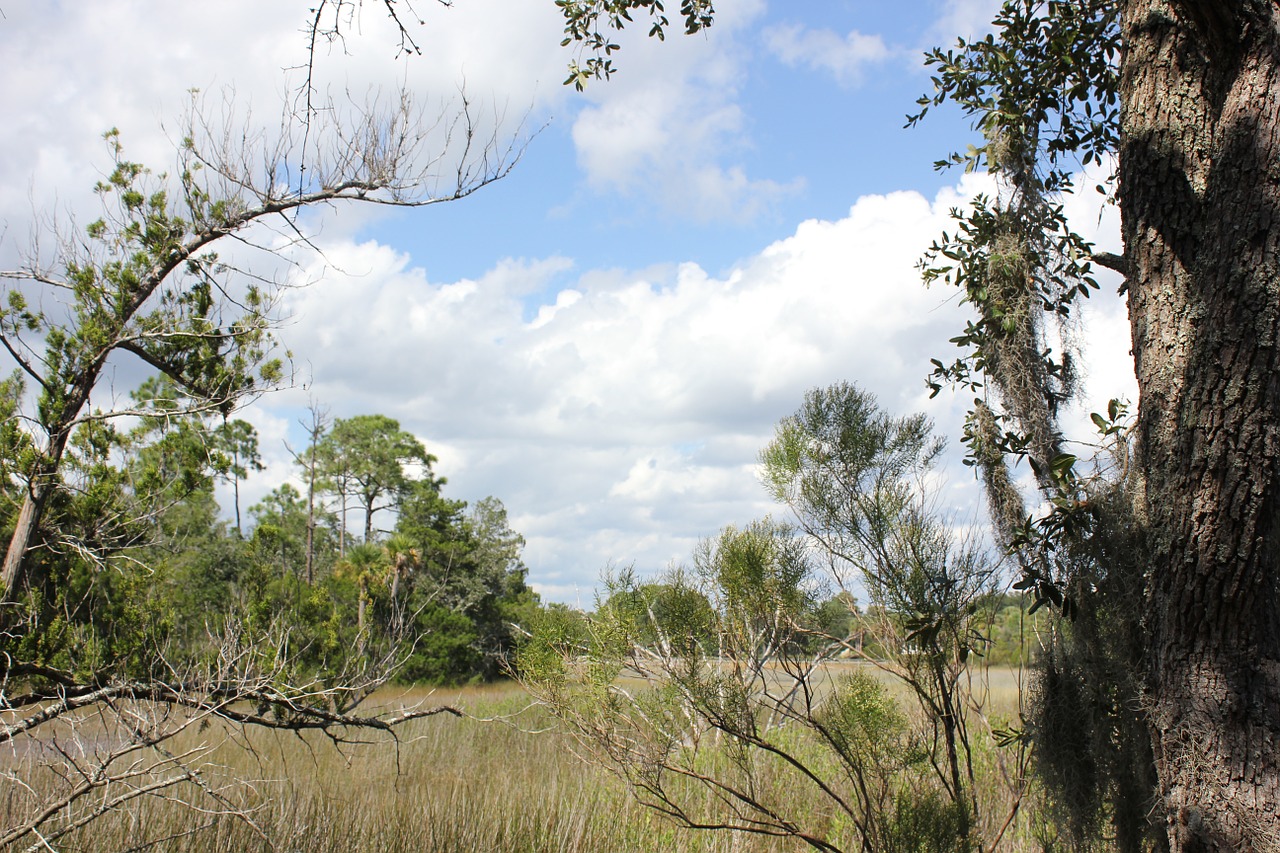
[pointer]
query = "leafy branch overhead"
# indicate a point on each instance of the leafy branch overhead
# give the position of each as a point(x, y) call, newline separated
point(146, 279)
point(588, 24)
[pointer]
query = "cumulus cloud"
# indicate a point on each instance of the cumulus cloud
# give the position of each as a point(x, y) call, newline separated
point(669, 128)
point(621, 419)
point(844, 57)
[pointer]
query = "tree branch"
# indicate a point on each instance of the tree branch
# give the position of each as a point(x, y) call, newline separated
point(1111, 261)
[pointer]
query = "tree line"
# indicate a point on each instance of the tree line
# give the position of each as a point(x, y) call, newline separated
point(368, 551)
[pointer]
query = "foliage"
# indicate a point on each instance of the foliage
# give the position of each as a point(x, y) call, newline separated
point(369, 458)
point(726, 675)
point(1044, 91)
point(279, 530)
point(587, 23)
point(446, 650)
point(673, 614)
point(855, 478)
point(128, 612)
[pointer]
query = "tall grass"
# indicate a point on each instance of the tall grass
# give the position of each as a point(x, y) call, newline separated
point(505, 783)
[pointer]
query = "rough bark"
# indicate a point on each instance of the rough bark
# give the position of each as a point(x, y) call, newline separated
point(23, 534)
point(42, 482)
point(1200, 188)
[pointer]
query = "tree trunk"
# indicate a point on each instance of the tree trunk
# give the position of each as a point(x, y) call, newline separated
point(1200, 199)
point(235, 488)
point(315, 429)
point(311, 516)
point(342, 533)
point(24, 531)
point(39, 488)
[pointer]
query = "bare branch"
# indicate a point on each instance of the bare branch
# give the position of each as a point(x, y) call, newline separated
point(1112, 261)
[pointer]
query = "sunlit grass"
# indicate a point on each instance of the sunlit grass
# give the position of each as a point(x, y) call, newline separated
point(500, 779)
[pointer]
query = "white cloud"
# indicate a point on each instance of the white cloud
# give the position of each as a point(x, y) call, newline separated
point(966, 19)
point(844, 57)
point(76, 70)
point(668, 127)
point(621, 420)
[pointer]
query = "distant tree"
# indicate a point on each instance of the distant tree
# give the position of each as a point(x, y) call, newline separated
point(316, 425)
point(237, 440)
point(497, 596)
point(666, 615)
point(404, 557)
point(370, 459)
point(279, 529)
point(468, 563)
point(367, 567)
point(437, 527)
point(838, 617)
point(496, 552)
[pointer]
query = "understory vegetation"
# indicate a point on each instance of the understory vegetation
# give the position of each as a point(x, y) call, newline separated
point(502, 780)
point(748, 692)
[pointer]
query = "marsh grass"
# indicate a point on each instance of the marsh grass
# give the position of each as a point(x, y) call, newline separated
point(504, 782)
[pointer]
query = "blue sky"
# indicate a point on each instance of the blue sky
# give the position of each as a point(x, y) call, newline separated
point(605, 338)
point(812, 137)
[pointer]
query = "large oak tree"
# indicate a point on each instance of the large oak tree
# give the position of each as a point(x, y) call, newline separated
point(1199, 190)
point(1184, 94)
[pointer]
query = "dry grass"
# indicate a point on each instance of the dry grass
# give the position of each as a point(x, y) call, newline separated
point(503, 783)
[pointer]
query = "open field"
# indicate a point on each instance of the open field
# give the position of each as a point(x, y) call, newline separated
point(506, 782)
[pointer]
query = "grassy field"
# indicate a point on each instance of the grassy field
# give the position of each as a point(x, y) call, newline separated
point(507, 782)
